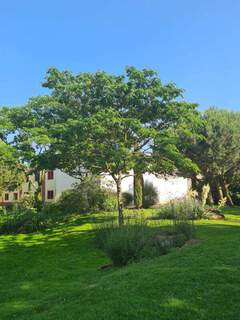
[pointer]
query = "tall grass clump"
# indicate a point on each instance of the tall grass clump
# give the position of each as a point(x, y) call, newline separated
point(138, 239)
point(184, 209)
point(130, 242)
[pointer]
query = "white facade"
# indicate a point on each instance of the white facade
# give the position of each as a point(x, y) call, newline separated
point(56, 182)
point(168, 188)
point(60, 183)
point(9, 197)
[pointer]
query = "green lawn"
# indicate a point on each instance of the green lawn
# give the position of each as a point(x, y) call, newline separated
point(54, 275)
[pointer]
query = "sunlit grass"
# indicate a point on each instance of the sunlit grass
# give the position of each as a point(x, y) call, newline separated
point(55, 275)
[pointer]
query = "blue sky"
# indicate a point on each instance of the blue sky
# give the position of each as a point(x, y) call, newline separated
point(192, 43)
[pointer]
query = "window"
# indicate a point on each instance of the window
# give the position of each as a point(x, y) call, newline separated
point(50, 175)
point(15, 196)
point(50, 194)
point(6, 197)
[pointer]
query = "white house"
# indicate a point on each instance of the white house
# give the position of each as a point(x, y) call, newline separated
point(168, 188)
point(55, 182)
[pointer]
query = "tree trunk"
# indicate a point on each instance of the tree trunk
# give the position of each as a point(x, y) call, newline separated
point(120, 200)
point(194, 182)
point(227, 194)
point(210, 200)
point(214, 192)
point(220, 191)
point(38, 200)
point(138, 190)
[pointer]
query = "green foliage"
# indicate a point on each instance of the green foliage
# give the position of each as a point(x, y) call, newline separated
point(127, 199)
point(109, 201)
point(27, 202)
point(234, 190)
point(185, 209)
point(106, 124)
point(88, 195)
point(21, 221)
point(128, 243)
point(185, 229)
point(24, 220)
point(11, 171)
point(218, 154)
point(136, 240)
point(150, 195)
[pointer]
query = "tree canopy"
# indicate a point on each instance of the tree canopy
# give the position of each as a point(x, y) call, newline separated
point(218, 154)
point(11, 171)
point(103, 123)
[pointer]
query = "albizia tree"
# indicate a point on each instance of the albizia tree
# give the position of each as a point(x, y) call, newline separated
point(102, 123)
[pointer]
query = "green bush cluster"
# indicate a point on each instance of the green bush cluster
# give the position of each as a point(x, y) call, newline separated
point(150, 195)
point(127, 199)
point(21, 221)
point(137, 240)
point(87, 196)
point(185, 209)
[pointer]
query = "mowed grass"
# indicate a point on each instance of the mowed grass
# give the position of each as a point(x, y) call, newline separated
point(54, 275)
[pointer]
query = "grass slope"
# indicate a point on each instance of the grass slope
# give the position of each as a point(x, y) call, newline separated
point(54, 275)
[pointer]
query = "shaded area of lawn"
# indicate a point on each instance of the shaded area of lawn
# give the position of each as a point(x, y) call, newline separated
point(54, 275)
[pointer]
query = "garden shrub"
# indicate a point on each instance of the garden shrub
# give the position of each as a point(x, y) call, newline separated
point(150, 195)
point(184, 209)
point(21, 221)
point(109, 201)
point(103, 231)
point(127, 199)
point(27, 202)
point(126, 243)
point(179, 239)
point(137, 240)
point(87, 195)
point(184, 228)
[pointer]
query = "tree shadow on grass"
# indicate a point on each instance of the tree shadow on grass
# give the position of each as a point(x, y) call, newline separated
point(57, 270)
point(36, 268)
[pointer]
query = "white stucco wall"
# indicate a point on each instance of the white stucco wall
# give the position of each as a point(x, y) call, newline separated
point(60, 183)
point(63, 182)
point(169, 188)
point(21, 192)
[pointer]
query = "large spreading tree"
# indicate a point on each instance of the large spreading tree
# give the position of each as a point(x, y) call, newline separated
point(100, 123)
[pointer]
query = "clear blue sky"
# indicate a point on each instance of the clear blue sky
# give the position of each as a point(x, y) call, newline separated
point(195, 44)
